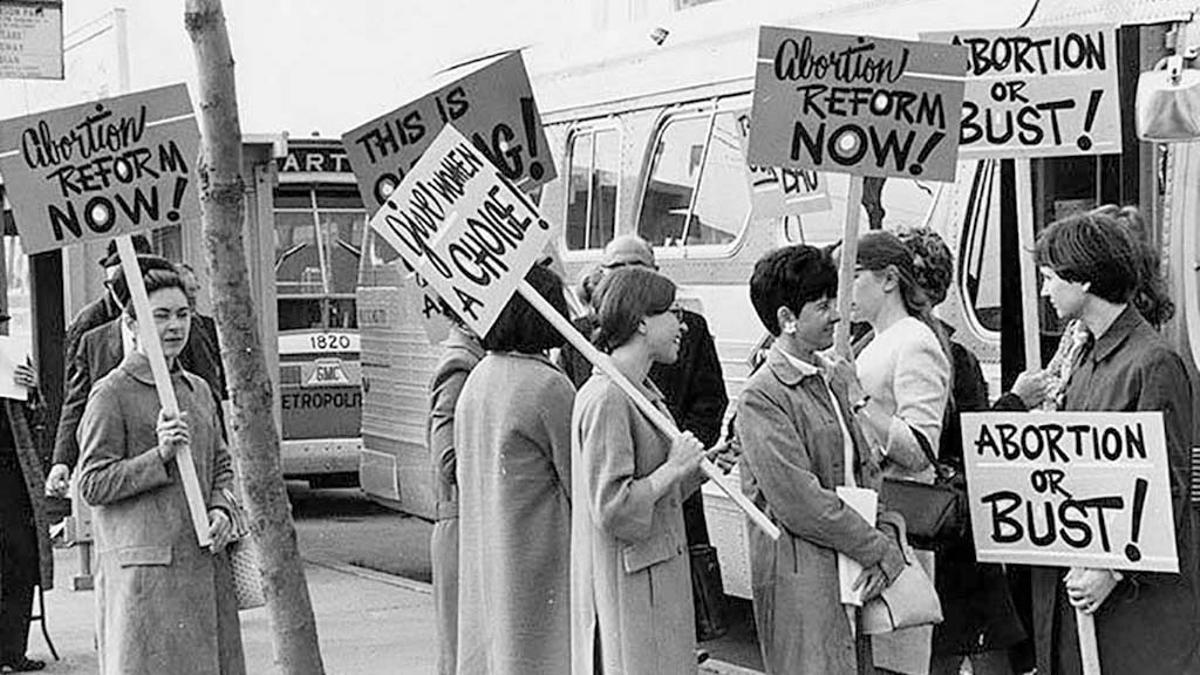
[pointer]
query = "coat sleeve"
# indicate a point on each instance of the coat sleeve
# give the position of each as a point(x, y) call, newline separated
point(781, 468)
point(704, 409)
point(1165, 386)
point(78, 384)
point(109, 471)
point(222, 465)
point(447, 385)
point(921, 385)
point(621, 504)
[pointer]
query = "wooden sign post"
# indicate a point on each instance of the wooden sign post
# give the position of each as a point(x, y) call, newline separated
point(463, 226)
point(103, 169)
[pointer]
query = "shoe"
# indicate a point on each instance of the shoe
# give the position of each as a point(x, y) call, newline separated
point(22, 665)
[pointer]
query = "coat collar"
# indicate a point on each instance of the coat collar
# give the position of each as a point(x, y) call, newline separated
point(1128, 321)
point(646, 386)
point(138, 367)
point(785, 370)
point(461, 339)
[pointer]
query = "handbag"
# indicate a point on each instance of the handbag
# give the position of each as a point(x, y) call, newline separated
point(1168, 102)
point(909, 601)
point(935, 514)
point(243, 559)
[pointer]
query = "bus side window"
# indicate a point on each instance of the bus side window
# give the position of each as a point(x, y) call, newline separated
point(723, 197)
point(674, 170)
point(594, 157)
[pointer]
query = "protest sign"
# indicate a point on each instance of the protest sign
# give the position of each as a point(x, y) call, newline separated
point(466, 230)
point(856, 104)
point(97, 170)
point(1039, 92)
point(491, 104)
point(473, 235)
point(1066, 489)
point(777, 192)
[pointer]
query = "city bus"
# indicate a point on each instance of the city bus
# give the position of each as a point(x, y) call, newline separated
point(647, 125)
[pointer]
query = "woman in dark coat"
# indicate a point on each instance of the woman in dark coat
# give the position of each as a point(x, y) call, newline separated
point(1145, 622)
point(164, 604)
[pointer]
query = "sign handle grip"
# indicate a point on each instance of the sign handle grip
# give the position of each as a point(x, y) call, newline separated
point(656, 416)
point(1089, 653)
point(849, 249)
point(148, 338)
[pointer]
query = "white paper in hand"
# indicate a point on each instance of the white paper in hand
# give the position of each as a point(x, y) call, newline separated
point(865, 502)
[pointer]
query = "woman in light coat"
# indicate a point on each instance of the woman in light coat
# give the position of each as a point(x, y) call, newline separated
point(631, 594)
point(800, 442)
point(164, 605)
point(903, 380)
point(514, 416)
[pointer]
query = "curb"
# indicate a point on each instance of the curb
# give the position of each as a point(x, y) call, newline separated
point(709, 667)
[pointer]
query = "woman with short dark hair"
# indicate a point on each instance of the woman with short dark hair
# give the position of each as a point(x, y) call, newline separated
point(631, 591)
point(800, 442)
point(164, 604)
point(512, 425)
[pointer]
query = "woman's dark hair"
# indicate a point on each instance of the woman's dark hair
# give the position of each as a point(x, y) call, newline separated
point(791, 277)
point(1093, 248)
point(156, 279)
point(1150, 297)
point(587, 285)
point(933, 264)
point(623, 298)
point(147, 263)
point(520, 327)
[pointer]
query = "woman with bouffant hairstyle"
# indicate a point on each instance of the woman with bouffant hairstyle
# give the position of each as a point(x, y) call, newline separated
point(512, 426)
point(631, 593)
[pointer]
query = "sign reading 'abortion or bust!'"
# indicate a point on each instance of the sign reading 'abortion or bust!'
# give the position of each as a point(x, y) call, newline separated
point(468, 231)
point(97, 170)
point(856, 104)
point(1039, 92)
point(1070, 489)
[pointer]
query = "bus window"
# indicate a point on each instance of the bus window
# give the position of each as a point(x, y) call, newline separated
point(978, 256)
point(674, 169)
point(592, 188)
point(297, 260)
point(723, 197)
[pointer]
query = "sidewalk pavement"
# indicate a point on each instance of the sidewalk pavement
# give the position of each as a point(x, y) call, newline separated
point(369, 623)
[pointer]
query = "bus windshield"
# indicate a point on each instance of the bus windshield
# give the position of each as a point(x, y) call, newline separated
point(318, 243)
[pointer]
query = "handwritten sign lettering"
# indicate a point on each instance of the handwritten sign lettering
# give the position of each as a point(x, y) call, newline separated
point(1036, 92)
point(97, 170)
point(493, 105)
point(854, 104)
point(465, 229)
point(1070, 489)
point(777, 192)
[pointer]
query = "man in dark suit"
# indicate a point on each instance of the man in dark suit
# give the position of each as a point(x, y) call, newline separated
point(101, 349)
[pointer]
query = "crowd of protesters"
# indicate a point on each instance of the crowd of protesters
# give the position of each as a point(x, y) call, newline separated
point(575, 548)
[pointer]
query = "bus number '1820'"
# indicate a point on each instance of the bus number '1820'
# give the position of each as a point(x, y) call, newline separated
point(330, 342)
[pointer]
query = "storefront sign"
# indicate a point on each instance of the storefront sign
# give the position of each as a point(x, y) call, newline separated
point(1070, 489)
point(31, 40)
point(1039, 92)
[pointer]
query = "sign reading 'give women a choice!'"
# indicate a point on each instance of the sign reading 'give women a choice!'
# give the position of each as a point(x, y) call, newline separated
point(1070, 489)
point(856, 104)
point(97, 170)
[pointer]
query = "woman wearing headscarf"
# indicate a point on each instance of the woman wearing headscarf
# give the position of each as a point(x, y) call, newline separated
point(164, 605)
point(631, 593)
point(800, 442)
point(900, 392)
point(514, 416)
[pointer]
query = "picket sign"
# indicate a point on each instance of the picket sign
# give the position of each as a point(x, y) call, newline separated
point(849, 249)
point(148, 338)
point(656, 416)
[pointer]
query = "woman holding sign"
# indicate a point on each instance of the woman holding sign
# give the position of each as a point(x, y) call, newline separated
point(631, 592)
point(800, 443)
point(1145, 622)
point(164, 604)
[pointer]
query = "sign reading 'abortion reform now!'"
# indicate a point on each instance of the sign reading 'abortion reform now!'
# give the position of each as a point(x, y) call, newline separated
point(1070, 489)
point(464, 228)
point(97, 170)
point(856, 104)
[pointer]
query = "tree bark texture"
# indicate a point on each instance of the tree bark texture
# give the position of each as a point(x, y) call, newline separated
point(255, 442)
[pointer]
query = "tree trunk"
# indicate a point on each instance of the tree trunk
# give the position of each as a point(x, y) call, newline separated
point(255, 442)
